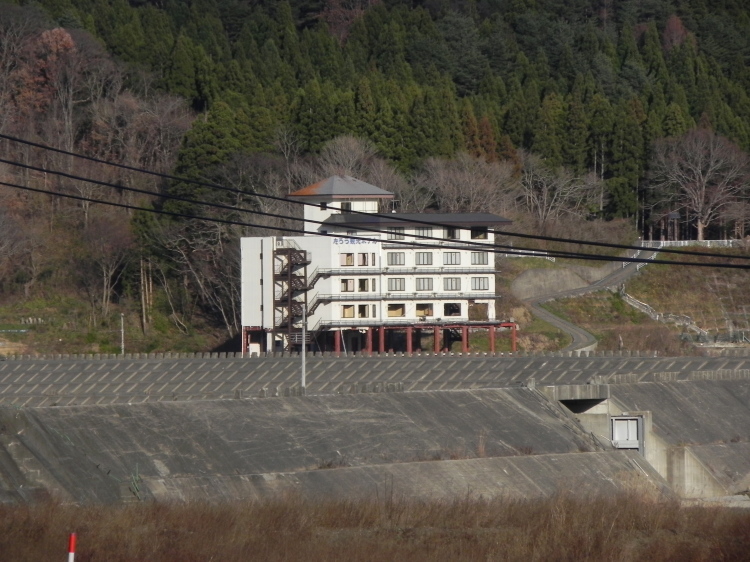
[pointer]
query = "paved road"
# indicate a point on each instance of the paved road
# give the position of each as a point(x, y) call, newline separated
point(581, 339)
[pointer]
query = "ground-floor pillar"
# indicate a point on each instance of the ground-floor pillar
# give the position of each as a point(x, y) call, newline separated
point(409, 338)
point(337, 342)
point(369, 341)
point(436, 346)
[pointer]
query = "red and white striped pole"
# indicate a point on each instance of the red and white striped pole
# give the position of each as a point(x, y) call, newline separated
point(71, 547)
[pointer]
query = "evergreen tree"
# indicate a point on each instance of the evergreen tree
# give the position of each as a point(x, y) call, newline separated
point(548, 139)
point(675, 121)
point(601, 121)
point(472, 141)
point(576, 135)
point(210, 143)
point(180, 75)
point(159, 38)
point(653, 56)
point(487, 141)
point(627, 158)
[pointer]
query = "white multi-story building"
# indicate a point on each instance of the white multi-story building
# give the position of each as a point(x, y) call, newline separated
point(363, 278)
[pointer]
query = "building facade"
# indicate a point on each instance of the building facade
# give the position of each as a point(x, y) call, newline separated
point(362, 278)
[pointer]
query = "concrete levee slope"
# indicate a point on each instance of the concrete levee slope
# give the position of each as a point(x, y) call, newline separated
point(64, 382)
point(104, 453)
point(728, 463)
point(696, 433)
point(692, 412)
point(509, 477)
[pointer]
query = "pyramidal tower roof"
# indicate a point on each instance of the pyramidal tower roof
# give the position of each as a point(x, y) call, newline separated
point(342, 187)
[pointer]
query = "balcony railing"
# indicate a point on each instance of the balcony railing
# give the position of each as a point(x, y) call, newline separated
point(402, 295)
point(401, 270)
point(446, 321)
point(438, 244)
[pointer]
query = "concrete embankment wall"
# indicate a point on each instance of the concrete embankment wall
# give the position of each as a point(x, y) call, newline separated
point(101, 453)
point(508, 477)
point(697, 432)
point(66, 382)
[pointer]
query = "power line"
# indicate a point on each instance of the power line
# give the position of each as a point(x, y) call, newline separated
point(471, 245)
point(509, 249)
point(488, 248)
point(286, 200)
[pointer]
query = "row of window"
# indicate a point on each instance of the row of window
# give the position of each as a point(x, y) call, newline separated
point(449, 284)
point(421, 284)
point(363, 285)
point(477, 232)
point(364, 259)
point(425, 258)
point(420, 258)
point(397, 310)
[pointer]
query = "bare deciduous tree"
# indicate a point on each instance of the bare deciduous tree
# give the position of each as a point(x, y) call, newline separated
point(346, 156)
point(548, 194)
point(107, 244)
point(261, 186)
point(700, 172)
point(18, 27)
point(11, 238)
point(209, 265)
point(467, 184)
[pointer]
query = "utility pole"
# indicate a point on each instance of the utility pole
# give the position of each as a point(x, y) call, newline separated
point(304, 347)
point(122, 334)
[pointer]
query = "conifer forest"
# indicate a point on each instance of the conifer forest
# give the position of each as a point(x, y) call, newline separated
point(597, 119)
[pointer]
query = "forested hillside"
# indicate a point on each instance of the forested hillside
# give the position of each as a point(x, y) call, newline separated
point(576, 118)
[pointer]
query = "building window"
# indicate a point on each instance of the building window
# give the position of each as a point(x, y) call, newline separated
point(396, 310)
point(480, 283)
point(351, 232)
point(479, 233)
point(452, 258)
point(374, 285)
point(395, 233)
point(363, 310)
point(346, 207)
point(347, 311)
point(362, 285)
point(424, 283)
point(480, 258)
point(423, 258)
point(452, 283)
point(347, 285)
point(452, 309)
point(396, 258)
point(374, 311)
point(362, 259)
point(423, 231)
point(451, 233)
point(396, 284)
point(424, 309)
point(347, 259)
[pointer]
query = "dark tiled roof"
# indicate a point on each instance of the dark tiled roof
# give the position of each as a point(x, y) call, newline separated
point(404, 219)
point(337, 186)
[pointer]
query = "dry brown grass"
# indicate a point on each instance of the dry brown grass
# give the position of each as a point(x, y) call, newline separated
point(632, 526)
point(712, 297)
point(619, 326)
